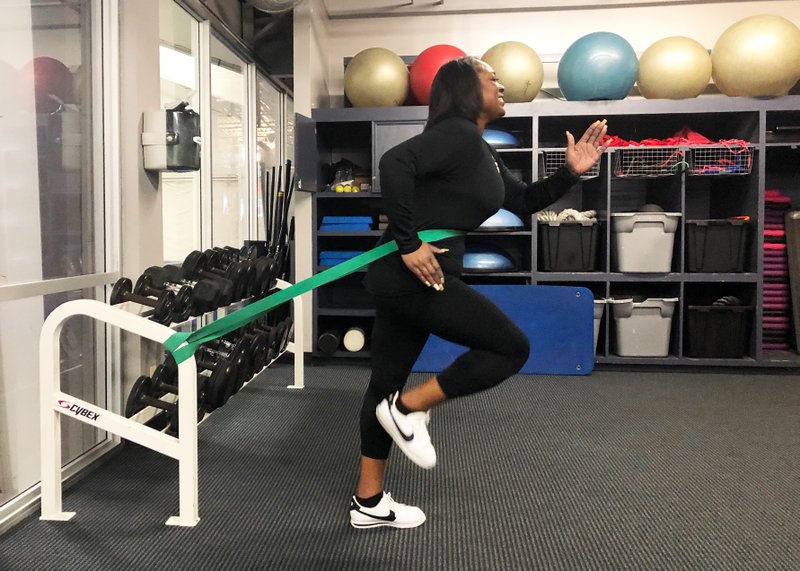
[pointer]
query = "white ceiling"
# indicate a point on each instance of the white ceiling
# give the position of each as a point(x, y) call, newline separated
point(388, 8)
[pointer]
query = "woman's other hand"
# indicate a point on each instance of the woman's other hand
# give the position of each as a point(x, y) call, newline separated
point(425, 266)
point(584, 154)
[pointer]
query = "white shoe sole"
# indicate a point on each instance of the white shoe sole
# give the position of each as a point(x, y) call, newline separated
point(385, 418)
point(386, 524)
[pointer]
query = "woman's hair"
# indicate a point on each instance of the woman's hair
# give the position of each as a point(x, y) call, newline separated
point(456, 91)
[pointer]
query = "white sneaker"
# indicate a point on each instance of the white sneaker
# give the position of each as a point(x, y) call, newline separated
point(409, 431)
point(387, 513)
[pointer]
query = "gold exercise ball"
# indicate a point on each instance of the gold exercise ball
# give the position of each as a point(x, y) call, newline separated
point(376, 77)
point(519, 69)
point(674, 68)
point(757, 57)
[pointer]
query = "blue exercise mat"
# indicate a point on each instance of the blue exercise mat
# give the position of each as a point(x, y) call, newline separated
point(558, 320)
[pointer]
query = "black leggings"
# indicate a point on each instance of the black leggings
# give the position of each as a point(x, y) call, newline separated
point(497, 348)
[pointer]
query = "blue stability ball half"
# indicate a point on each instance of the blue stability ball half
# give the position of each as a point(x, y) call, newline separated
point(500, 139)
point(480, 258)
point(501, 220)
point(600, 65)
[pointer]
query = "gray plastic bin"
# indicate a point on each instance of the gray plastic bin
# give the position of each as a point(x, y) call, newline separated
point(644, 241)
point(643, 327)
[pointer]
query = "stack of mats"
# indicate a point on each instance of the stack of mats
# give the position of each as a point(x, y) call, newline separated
point(345, 223)
point(331, 258)
point(776, 327)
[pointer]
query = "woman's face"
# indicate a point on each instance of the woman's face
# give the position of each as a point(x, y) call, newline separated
point(493, 101)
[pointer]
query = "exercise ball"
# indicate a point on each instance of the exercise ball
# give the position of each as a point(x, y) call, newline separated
point(52, 83)
point(757, 57)
point(425, 66)
point(674, 68)
point(519, 69)
point(376, 77)
point(600, 65)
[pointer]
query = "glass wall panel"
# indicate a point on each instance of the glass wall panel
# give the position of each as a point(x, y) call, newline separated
point(82, 375)
point(229, 148)
point(268, 143)
point(47, 218)
point(179, 81)
point(51, 220)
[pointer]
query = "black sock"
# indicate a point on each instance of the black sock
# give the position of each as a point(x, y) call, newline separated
point(401, 407)
point(370, 502)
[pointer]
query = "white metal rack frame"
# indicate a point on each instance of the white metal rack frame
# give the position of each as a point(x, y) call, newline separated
point(183, 448)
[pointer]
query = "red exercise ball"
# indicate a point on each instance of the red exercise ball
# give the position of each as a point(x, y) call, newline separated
point(424, 69)
point(52, 83)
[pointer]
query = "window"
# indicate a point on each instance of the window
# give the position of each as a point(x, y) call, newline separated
point(52, 221)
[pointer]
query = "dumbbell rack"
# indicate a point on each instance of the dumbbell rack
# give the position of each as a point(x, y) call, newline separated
point(182, 448)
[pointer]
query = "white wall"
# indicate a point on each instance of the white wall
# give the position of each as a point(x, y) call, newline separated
point(140, 199)
point(311, 65)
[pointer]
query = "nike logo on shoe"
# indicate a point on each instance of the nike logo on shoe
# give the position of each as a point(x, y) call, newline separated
point(406, 437)
point(354, 506)
point(390, 517)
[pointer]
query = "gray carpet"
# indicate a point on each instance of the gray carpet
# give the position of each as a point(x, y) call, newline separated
point(617, 470)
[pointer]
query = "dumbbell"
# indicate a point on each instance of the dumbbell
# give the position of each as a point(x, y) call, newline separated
point(207, 295)
point(182, 306)
point(238, 356)
point(278, 335)
point(141, 396)
point(196, 266)
point(265, 266)
point(162, 307)
point(269, 332)
point(165, 382)
point(256, 351)
point(255, 268)
point(219, 384)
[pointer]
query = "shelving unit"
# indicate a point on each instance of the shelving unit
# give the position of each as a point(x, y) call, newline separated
point(770, 126)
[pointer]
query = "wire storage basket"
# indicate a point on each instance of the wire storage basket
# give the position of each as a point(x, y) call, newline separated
point(648, 162)
point(720, 160)
point(550, 160)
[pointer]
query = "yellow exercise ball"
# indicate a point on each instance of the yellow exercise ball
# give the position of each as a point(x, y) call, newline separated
point(376, 77)
point(674, 68)
point(757, 57)
point(519, 69)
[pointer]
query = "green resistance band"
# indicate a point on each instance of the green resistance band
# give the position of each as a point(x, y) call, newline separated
point(182, 345)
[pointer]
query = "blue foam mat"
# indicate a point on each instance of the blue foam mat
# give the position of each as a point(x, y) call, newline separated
point(558, 320)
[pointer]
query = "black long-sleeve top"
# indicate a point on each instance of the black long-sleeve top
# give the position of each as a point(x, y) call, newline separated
point(448, 177)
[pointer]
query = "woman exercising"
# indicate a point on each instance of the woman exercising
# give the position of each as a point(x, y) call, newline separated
point(446, 177)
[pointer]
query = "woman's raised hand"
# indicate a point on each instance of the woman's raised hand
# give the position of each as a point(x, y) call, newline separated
point(425, 266)
point(583, 154)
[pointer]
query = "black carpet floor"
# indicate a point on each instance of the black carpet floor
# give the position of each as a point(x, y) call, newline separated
point(616, 470)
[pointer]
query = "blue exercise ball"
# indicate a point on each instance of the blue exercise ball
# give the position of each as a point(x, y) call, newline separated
point(597, 66)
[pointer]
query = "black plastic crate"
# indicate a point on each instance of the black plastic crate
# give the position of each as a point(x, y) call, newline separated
point(568, 246)
point(716, 246)
point(717, 331)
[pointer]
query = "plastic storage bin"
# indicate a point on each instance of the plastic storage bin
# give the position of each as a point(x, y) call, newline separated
point(568, 246)
point(718, 331)
point(644, 241)
point(599, 308)
point(643, 327)
point(716, 245)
